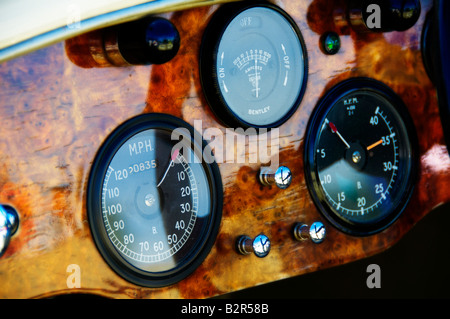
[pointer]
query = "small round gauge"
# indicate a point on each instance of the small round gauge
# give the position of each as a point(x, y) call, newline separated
point(253, 65)
point(360, 156)
point(154, 203)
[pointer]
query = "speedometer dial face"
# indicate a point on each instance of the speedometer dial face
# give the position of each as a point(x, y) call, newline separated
point(360, 156)
point(153, 201)
point(253, 65)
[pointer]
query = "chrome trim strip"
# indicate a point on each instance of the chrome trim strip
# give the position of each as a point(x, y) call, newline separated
point(101, 21)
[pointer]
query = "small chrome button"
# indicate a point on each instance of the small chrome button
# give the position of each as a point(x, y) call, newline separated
point(282, 177)
point(260, 245)
point(316, 232)
point(9, 222)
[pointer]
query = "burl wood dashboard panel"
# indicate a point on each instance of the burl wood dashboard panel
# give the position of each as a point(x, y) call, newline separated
point(54, 115)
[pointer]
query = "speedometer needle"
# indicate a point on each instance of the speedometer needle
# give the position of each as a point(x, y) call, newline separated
point(334, 130)
point(174, 156)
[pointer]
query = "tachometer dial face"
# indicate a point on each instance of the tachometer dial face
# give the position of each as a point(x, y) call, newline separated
point(359, 156)
point(154, 203)
point(253, 65)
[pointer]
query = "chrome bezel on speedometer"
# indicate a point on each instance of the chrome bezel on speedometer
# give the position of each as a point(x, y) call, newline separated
point(360, 156)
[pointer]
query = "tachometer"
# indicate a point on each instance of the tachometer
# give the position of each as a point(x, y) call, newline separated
point(154, 203)
point(360, 156)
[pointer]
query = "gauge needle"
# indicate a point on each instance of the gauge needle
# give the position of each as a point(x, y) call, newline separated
point(256, 77)
point(374, 144)
point(334, 130)
point(174, 156)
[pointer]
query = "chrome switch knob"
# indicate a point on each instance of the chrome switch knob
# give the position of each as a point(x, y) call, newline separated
point(316, 232)
point(282, 177)
point(260, 245)
point(9, 222)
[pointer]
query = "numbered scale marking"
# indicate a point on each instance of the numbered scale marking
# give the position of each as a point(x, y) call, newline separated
point(360, 155)
point(154, 206)
point(253, 65)
point(154, 250)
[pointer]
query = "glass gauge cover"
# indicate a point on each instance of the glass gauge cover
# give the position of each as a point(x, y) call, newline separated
point(154, 203)
point(360, 156)
point(253, 65)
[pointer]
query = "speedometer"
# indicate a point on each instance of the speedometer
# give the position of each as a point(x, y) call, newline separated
point(360, 156)
point(154, 202)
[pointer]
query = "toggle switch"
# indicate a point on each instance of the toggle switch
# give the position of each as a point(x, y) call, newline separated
point(151, 40)
point(383, 15)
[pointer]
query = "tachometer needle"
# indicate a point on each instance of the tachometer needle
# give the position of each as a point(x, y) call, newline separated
point(174, 156)
point(374, 144)
point(334, 130)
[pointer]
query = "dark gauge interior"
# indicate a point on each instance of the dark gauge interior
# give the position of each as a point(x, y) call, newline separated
point(253, 65)
point(154, 203)
point(360, 156)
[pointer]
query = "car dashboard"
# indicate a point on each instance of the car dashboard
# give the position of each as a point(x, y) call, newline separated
point(268, 141)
